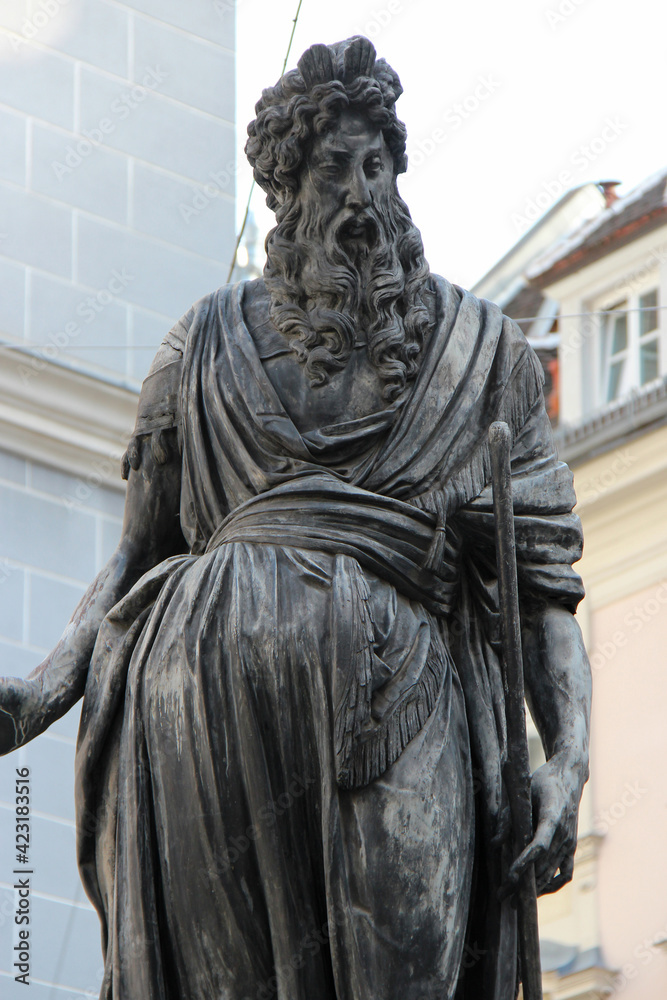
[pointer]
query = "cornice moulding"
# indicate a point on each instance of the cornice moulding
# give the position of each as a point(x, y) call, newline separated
point(64, 418)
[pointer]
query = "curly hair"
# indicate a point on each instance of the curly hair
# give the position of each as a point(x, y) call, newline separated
point(318, 296)
point(307, 102)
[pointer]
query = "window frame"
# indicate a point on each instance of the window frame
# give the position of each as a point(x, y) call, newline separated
point(626, 298)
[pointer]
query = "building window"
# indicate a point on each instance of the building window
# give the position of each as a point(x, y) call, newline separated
point(614, 344)
point(649, 348)
point(629, 345)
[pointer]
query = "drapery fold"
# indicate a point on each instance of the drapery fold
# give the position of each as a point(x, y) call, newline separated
point(204, 673)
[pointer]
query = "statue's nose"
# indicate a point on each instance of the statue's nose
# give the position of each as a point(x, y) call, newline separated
point(358, 195)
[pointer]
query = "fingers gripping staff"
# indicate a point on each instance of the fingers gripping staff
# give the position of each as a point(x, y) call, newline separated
point(517, 769)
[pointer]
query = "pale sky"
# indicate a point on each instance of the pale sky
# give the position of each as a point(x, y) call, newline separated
point(504, 102)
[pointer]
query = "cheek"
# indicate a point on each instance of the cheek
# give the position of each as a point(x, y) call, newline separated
point(327, 189)
point(330, 200)
point(382, 189)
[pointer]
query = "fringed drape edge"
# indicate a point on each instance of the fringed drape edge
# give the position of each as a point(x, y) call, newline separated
point(371, 756)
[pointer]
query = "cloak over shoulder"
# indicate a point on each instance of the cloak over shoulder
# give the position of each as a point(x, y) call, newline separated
point(395, 476)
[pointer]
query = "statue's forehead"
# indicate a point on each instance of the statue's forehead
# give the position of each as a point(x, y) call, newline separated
point(352, 131)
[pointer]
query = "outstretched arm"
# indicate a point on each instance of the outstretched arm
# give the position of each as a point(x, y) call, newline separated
point(558, 691)
point(151, 532)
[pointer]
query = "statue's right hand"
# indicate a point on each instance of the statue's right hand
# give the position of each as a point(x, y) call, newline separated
point(20, 712)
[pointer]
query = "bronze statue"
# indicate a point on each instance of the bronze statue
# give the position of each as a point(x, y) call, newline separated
point(290, 762)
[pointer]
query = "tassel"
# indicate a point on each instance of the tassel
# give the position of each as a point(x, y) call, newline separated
point(436, 552)
point(352, 664)
point(373, 754)
point(363, 755)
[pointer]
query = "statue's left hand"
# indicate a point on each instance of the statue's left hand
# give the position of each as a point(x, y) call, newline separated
point(556, 793)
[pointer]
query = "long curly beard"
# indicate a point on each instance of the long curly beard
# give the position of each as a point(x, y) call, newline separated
point(362, 278)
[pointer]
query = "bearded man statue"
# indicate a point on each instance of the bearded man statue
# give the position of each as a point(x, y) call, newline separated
point(290, 762)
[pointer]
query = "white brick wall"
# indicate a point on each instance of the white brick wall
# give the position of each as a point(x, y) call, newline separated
point(113, 116)
point(56, 532)
point(116, 158)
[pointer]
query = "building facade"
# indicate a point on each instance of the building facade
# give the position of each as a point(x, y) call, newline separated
point(610, 280)
point(592, 300)
point(117, 202)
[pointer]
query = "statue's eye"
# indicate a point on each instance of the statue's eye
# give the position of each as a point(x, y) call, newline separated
point(373, 166)
point(331, 169)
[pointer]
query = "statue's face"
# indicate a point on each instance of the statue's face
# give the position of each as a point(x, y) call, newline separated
point(349, 171)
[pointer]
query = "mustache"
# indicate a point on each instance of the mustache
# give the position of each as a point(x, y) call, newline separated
point(339, 227)
point(363, 226)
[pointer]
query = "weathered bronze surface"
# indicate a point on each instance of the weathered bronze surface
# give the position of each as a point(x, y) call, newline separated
point(289, 771)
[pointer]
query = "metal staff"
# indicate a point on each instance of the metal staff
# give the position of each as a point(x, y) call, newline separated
point(517, 768)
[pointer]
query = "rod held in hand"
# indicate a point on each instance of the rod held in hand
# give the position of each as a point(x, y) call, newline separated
point(516, 772)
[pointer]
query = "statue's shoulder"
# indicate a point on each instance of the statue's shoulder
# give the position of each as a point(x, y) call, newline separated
point(473, 333)
point(174, 341)
point(492, 322)
point(449, 293)
point(256, 303)
point(207, 310)
point(245, 302)
point(158, 407)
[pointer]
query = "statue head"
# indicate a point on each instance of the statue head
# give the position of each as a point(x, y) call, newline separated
point(345, 259)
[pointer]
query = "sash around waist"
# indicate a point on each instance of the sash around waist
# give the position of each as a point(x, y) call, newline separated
point(388, 537)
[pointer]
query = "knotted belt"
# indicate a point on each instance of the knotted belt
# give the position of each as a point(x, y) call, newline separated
point(393, 540)
point(388, 537)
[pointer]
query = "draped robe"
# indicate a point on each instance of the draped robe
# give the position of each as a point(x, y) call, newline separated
point(289, 766)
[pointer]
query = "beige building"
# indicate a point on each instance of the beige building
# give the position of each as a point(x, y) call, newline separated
point(606, 933)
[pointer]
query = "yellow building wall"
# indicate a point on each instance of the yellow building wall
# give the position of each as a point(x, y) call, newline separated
point(618, 897)
point(629, 787)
